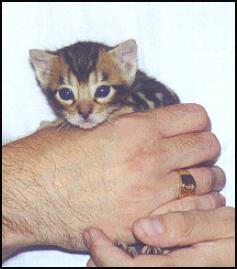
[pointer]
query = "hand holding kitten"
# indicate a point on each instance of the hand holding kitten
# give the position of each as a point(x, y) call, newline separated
point(62, 182)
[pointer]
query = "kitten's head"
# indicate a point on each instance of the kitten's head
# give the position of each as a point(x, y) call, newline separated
point(87, 81)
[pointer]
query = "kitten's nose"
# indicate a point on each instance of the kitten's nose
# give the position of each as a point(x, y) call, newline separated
point(85, 108)
point(85, 115)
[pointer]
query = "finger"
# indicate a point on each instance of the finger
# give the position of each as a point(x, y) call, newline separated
point(210, 254)
point(204, 202)
point(208, 179)
point(103, 251)
point(90, 263)
point(185, 228)
point(165, 122)
point(188, 150)
point(180, 119)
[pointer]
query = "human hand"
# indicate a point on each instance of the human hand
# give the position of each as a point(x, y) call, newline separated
point(209, 237)
point(108, 177)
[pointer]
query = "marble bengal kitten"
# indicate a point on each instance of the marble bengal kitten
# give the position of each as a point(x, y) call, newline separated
point(87, 83)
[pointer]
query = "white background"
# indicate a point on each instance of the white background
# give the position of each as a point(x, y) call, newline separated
point(188, 46)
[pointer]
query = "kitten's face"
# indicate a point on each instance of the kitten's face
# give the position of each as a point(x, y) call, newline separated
point(86, 82)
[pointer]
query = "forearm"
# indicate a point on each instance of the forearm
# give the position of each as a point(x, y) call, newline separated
point(30, 202)
point(17, 201)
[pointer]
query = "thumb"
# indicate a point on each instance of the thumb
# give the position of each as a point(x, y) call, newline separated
point(185, 228)
point(103, 251)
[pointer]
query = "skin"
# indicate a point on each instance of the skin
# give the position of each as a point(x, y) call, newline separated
point(212, 247)
point(56, 182)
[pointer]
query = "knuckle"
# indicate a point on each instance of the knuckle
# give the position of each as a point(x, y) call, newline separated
point(202, 118)
point(189, 107)
point(211, 142)
point(197, 108)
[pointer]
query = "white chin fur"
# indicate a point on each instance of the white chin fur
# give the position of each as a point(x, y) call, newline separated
point(87, 125)
point(94, 120)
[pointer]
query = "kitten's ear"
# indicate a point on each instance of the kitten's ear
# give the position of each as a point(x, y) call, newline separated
point(44, 64)
point(125, 54)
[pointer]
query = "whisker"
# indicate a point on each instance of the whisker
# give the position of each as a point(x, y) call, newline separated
point(61, 126)
point(68, 125)
point(110, 121)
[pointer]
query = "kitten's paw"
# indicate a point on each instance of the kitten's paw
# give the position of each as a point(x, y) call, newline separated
point(147, 250)
point(132, 251)
point(140, 249)
point(44, 124)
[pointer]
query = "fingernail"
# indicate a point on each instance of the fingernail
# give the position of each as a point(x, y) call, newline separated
point(151, 227)
point(87, 239)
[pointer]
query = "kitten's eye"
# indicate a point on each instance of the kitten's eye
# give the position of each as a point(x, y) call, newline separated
point(66, 94)
point(102, 91)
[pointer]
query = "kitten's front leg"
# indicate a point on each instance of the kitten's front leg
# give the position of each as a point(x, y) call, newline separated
point(55, 123)
point(122, 111)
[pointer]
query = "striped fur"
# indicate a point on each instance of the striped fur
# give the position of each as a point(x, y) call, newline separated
point(84, 66)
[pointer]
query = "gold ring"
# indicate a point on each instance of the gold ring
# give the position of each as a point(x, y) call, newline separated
point(187, 184)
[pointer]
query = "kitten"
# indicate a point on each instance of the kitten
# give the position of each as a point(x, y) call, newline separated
point(87, 83)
